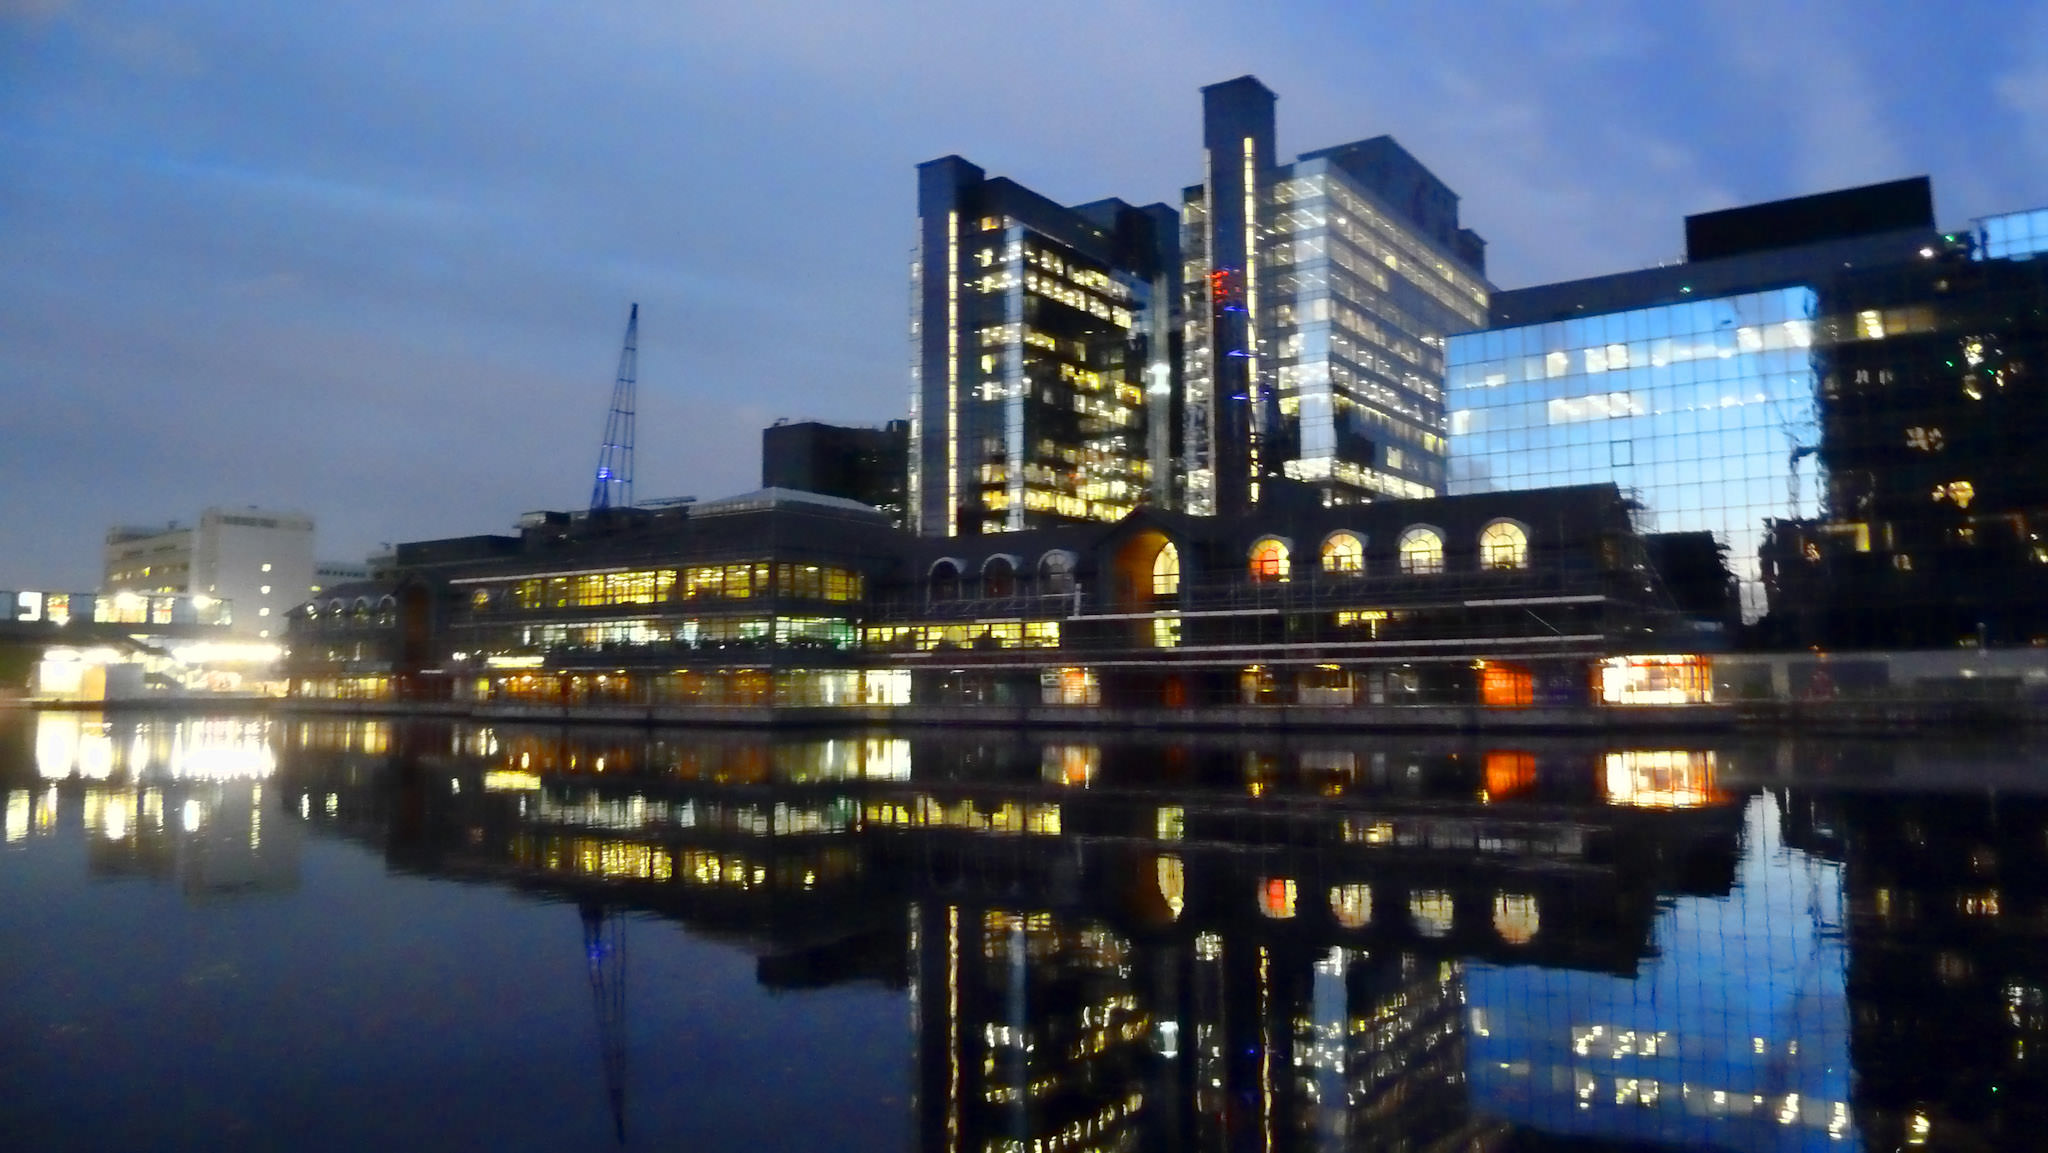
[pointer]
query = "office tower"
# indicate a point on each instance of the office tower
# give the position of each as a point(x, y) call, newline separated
point(1828, 384)
point(260, 562)
point(1932, 412)
point(1693, 386)
point(1042, 377)
point(1318, 296)
point(863, 464)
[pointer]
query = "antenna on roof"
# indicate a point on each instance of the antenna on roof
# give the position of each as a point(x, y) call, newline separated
point(613, 486)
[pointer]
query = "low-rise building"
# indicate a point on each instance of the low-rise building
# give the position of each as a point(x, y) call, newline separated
point(784, 600)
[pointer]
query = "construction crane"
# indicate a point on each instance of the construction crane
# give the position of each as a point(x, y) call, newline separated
point(604, 948)
point(613, 486)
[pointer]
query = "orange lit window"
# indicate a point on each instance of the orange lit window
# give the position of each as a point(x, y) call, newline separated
point(1505, 686)
point(1269, 560)
point(1276, 898)
point(1509, 772)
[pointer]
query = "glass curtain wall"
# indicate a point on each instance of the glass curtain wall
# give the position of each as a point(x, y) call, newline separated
point(2013, 236)
point(1704, 411)
point(1353, 339)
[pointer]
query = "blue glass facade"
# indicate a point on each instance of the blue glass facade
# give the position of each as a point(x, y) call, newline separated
point(1734, 1035)
point(2013, 235)
point(1704, 411)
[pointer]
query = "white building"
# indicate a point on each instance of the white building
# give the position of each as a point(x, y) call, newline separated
point(260, 562)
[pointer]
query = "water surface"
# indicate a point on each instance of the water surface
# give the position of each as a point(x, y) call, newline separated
point(259, 933)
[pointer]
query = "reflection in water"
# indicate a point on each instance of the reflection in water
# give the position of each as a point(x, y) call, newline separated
point(1222, 943)
point(162, 798)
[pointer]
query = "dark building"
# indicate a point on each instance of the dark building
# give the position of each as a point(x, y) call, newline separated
point(1934, 404)
point(869, 465)
point(1318, 296)
point(1043, 380)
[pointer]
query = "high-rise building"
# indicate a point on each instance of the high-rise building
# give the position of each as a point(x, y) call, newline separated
point(1831, 386)
point(1318, 298)
point(863, 464)
point(1042, 377)
point(258, 561)
point(1693, 386)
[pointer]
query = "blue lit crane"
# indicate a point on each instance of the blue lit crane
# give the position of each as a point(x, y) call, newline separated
point(613, 486)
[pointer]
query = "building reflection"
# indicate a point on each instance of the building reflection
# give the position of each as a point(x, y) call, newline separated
point(168, 800)
point(1213, 944)
point(1946, 901)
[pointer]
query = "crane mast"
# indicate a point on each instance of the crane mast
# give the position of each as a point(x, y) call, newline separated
point(613, 485)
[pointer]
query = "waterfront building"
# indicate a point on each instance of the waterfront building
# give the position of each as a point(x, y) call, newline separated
point(1800, 388)
point(869, 465)
point(779, 599)
point(1933, 403)
point(1318, 295)
point(333, 572)
point(736, 602)
point(259, 562)
point(1042, 366)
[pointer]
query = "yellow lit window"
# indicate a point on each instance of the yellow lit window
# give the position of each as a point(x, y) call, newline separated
point(1503, 545)
point(1343, 553)
point(1166, 571)
point(1422, 551)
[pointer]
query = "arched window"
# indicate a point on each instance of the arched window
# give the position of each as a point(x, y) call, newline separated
point(1503, 544)
point(1166, 571)
point(1269, 560)
point(1516, 917)
point(360, 611)
point(998, 577)
point(945, 581)
point(1056, 572)
point(1343, 552)
point(1422, 551)
point(1432, 912)
point(387, 612)
point(1351, 905)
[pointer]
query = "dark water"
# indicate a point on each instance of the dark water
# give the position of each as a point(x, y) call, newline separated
point(247, 933)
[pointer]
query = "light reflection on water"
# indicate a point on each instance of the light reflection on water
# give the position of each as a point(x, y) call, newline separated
point(1210, 942)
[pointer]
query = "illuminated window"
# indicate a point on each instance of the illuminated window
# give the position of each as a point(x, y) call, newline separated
point(1269, 560)
point(1432, 911)
point(1166, 571)
point(1503, 545)
point(1503, 686)
point(1276, 897)
point(1515, 917)
point(1422, 551)
point(1343, 553)
point(1351, 905)
point(1166, 633)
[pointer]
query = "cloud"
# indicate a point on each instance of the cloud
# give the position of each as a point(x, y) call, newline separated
point(2023, 89)
point(1808, 84)
point(373, 259)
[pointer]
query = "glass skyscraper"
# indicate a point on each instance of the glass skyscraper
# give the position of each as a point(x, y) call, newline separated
point(1042, 366)
point(1845, 398)
point(1703, 411)
point(1318, 296)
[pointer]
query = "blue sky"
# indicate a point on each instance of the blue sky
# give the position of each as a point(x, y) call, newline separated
point(373, 260)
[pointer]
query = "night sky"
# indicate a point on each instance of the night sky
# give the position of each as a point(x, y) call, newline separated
point(372, 260)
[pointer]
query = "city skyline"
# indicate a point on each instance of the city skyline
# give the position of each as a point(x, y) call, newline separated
point(291, 264)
